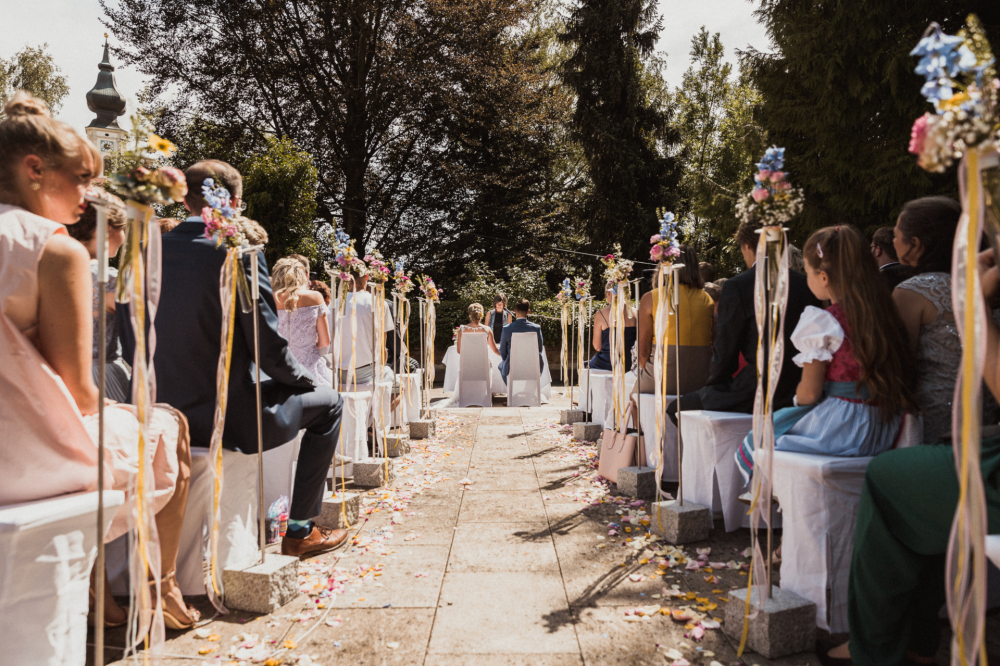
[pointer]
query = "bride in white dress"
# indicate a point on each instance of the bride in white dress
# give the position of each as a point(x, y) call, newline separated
point(475, 325)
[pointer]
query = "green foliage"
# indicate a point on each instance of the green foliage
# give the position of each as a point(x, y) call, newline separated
point(279, 187)
point(721, 144)
point(480, 284)
point(840, 94)
point(626, 139)
point(33, 69)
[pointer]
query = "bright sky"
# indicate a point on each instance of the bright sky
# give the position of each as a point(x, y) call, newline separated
point(74, 34)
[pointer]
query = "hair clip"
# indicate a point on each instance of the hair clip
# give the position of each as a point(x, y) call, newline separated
point(819, 250)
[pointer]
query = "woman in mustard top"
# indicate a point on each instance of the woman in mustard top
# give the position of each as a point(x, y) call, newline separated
point(696, 309)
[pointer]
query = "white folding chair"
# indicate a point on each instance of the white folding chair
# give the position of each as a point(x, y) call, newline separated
point(474, 372)
point(524, 381)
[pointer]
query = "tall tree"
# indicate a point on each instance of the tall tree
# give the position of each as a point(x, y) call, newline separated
point(386, 95)
point(33, 69)
point(626, 139)
point(721, 144)
point(840, 94)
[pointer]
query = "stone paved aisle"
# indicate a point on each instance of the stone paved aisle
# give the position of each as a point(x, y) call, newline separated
point(515, 567)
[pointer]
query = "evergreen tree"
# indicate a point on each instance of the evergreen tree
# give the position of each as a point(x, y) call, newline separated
point(840, 94)
point(626, 138)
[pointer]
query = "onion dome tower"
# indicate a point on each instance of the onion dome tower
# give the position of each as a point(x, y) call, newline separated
point(107, 102)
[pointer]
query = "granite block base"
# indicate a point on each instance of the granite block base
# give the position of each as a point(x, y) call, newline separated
point(785, 624)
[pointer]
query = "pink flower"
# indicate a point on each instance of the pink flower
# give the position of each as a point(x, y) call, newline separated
point(777, 176)
point(656, 239)
point(760, 195)
point(918, 135)
point(141, 173)
point(673, 252)
point(345, 276)
point(656, 252)
point(609, 257)
point(206, 214)
point(761, 176)
point(783, 186)
point(172, 175)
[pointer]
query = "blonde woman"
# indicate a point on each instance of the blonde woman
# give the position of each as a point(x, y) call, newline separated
point(49, 410)
point(476, 324)
point(302, 317)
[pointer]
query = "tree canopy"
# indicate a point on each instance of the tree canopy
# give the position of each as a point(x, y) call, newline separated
point(32, 69)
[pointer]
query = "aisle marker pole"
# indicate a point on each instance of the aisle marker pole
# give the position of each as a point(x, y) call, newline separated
point(100, 207)
point(255, 291)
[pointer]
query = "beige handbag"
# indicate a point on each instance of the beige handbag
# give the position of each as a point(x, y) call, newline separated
point(621, 449)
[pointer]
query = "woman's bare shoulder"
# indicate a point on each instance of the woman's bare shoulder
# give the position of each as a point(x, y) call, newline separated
point(307, 298)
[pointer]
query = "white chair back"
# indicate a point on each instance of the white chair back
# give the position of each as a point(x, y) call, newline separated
point(524, 382)
point(474, 372)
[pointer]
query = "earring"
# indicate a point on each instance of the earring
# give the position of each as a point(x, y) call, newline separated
point(35, 185)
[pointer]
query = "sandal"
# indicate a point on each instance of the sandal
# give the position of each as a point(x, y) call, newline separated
point(170, 620)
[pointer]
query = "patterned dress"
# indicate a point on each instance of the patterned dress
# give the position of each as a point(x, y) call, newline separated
point(299, 328)
point(939, 355)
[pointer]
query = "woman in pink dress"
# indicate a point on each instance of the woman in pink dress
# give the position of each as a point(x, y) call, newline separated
point(49, 409)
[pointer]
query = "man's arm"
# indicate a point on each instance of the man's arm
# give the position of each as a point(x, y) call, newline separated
point(276, 360)
point(730, 332)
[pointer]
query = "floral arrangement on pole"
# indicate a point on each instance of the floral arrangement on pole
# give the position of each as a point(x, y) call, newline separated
point(773, 201)
point(665, 246)
point(221, 219)
point(147, 184)
point(403, 283)
point(429, 289)
point(565, 292)
point(616, 269)
point(565, 297)
point(378, 270)
point(582, 291)
point(961, 83)
point(346, 258)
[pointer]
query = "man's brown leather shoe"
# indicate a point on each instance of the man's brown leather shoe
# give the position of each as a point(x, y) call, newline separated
point(320, 540)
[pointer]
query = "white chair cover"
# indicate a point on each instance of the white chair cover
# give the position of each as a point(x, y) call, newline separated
point(238, 545)
point(711, 476)
point(279, 471)
point(524, 382)
point(381, 417)
point(353, 441)
point(993, 549)
point(588, 396)
point(47, 549)
point(474, 384)
point(411, 385)
point(819, 497)
point(647, 417)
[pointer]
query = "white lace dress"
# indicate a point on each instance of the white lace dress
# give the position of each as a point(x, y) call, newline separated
point(939, 354)
point(299, 328)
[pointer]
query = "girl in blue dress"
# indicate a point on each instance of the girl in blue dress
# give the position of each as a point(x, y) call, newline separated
point(857, 365)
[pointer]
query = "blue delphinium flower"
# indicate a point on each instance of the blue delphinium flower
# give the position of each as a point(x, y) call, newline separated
point(217, 198)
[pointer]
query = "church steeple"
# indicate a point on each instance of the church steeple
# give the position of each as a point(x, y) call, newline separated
point(107, 102)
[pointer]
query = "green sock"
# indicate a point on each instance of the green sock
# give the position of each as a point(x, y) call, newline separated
point(299, 529)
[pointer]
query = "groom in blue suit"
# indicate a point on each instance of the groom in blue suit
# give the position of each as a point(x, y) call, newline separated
point(519, 325)
point(188, 329)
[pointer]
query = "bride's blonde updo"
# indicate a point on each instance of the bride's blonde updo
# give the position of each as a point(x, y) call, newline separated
point(28, 129)
point(288, 279)
point(475, 313)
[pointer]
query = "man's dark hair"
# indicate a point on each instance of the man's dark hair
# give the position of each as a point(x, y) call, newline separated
point(707, 271)
point(523, 307)
point(746, 234)
point(882, 239)
point(221, 172)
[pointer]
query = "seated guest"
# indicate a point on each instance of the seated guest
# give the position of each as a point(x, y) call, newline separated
point(884, 250)
point(117, 384)
point(499, 316)
point(519, 325)
point(602, 332)
point(714, 291)
point(857, 369)
point(188, 325)
point(476, 325)
point(359, 346)
point(303, 318)
point(696, 309)
point(923, 240)
point(46, 342)
point(323, 288)
point(729, 389)
point(908, 502)
point(796, 262)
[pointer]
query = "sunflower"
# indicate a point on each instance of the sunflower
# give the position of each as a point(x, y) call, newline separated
point(161, 145)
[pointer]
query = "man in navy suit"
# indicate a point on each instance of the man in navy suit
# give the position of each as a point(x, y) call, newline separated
point(519, 325)
point(188, 327)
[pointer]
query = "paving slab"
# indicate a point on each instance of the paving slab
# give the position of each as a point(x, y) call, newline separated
point(399, 584)
point(500, 547)
point(503, 613)
point(497, 506)
point(504, 660)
